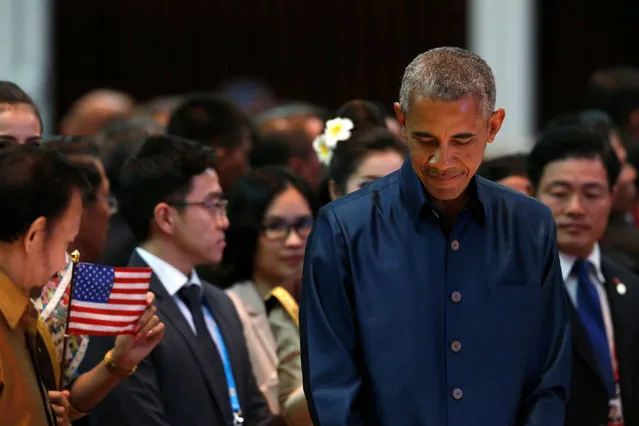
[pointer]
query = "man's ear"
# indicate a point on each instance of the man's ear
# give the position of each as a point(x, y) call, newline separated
point(36, 233)
point(399, 113)
point(494, 123)
point(165, 218)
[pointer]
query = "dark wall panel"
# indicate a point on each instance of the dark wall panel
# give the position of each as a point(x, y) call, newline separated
point(576, 38)
point(322, 51)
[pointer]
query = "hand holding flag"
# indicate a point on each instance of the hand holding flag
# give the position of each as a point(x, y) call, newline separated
point(115, 302)
point(129, 349)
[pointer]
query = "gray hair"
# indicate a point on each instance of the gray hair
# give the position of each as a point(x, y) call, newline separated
point(448, 74)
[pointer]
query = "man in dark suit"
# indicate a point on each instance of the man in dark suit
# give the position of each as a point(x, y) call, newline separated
point(574, 173)
point(200, 374)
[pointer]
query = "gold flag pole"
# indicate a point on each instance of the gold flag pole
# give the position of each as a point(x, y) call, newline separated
point(75, 258)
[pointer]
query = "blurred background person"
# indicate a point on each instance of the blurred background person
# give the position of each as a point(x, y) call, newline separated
point(159, 109)
point(508, 170)
point(364, 114)
point(99, 204)
point(251, 95)
point(271, 215)
point(621, 239)
point(360, 160)
point(292, 116)
point(218, 124)
point(118, 141)
point(574, 172)
point(615, 91)
point(88, 115)
point(290, 148)
point(20, 120)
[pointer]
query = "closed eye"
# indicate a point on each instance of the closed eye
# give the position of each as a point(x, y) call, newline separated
point(427, 141)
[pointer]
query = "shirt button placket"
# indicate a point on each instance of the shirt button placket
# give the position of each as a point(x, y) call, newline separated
point(455, 345)
point(458, 394)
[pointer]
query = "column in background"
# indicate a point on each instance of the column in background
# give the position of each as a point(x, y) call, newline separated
point(503, 33)
point(25, 50)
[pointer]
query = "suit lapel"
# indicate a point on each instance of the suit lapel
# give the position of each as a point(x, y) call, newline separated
point(581, 343)
point(212, 370)
point(620, 312)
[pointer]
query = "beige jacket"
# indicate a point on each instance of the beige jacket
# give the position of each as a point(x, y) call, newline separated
point(259, 339)
point(287, 335)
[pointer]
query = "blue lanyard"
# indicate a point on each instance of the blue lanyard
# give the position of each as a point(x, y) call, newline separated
point(230, 381)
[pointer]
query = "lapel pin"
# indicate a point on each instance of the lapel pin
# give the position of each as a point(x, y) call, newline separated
point(621, 287)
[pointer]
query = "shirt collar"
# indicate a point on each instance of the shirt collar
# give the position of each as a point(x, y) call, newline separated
point(567, 262)
point(170, 277)
point(13, 301)
point(416, 197)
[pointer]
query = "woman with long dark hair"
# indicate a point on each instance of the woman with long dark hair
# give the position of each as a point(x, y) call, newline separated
point(271, 215)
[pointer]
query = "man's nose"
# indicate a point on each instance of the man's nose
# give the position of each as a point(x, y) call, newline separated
point(441, 157)
point(575, 205)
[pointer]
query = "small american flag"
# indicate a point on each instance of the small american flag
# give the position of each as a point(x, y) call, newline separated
point(107, 301)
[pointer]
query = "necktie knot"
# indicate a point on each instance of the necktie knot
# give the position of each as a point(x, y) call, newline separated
point(582, 267)
point(191, 295)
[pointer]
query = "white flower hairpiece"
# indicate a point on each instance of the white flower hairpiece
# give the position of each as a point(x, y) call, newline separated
point(336, 130)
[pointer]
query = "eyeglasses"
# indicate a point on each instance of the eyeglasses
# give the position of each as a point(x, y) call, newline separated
point(281, 230)
point(217, 207)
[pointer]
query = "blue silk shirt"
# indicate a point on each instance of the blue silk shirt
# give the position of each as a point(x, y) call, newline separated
point(405, 324)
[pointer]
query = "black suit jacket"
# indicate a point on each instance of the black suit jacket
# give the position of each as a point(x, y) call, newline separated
point(174, 385)
point(621, 242)
point(588, 401)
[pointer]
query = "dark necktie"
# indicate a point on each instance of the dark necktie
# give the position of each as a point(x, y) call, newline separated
point(589, 308)
point(191, 295)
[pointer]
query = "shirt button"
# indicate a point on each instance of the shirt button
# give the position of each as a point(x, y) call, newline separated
point(455, 346)
point(454, 245)
point(456, 297)
point(458, 394)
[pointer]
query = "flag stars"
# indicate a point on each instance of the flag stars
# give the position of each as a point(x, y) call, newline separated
point(92, 283)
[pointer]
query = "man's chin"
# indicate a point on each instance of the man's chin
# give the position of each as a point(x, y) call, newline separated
point(444, 193)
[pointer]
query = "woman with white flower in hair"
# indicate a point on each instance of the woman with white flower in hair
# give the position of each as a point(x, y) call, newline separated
point(356, 158)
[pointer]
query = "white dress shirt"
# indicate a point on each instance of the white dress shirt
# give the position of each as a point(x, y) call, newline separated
point(173, 280)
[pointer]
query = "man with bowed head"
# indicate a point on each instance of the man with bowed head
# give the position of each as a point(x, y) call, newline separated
point(433, 296)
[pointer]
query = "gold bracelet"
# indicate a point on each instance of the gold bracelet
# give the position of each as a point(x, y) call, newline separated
point(112, 367)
